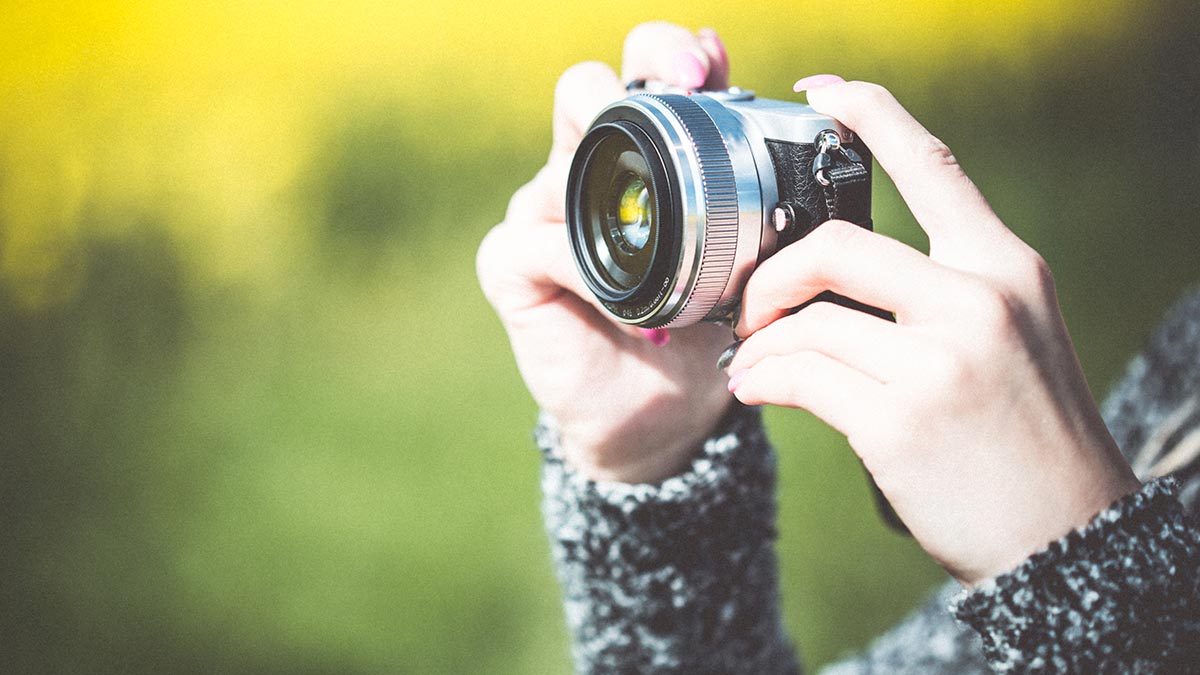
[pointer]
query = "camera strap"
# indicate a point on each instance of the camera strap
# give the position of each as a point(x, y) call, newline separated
point(844, 179)
point(848, 195)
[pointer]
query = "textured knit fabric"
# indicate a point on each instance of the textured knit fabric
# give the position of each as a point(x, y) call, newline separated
point(680, 577)
point(1117, 596)
point(674, 578)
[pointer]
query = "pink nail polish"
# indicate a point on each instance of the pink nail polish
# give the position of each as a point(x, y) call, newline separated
point(735, 380)
point(657, 336)
point(689, 70)
point(815, 82)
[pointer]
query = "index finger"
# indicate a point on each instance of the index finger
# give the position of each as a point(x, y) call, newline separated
point(844, 258)
point(582, 92)
point(672, 54)
point(946, 203)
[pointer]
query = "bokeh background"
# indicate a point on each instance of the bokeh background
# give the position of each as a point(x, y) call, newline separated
point(255, 415)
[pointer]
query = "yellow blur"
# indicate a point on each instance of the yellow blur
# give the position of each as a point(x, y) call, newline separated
point(207, 113)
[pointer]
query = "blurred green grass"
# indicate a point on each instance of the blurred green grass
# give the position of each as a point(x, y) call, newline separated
point(255, 415)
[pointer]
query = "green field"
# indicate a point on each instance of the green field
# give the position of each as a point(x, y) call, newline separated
point(255, 414)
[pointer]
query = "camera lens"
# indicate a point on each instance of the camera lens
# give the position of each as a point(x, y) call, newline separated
point(621, 215)
point(620, 209)
point(653, 210)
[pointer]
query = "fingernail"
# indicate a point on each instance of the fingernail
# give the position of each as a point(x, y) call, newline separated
point(657, 336)
point(689, 70)
point(711, 35)
point(815, 82)
point(727, 356)
point(735, 380)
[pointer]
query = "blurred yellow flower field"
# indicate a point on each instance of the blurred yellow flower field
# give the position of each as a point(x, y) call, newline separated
point(217, 106)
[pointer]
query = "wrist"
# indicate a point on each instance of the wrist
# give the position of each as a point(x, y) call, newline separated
point(635, 454)
point(599, 462)
point(1079, 496)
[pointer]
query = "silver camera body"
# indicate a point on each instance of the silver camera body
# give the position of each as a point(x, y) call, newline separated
point(675, 196)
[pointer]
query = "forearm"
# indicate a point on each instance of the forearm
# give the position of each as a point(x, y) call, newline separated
point(675, 577)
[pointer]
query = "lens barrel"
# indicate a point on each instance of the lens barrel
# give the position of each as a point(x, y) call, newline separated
point(655, 209)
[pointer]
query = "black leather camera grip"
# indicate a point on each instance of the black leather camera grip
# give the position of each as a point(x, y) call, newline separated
point(848, 197)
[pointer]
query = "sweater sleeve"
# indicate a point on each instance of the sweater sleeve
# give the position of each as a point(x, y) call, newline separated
point(681, 576)
point(677, 577)
point(1120, 595)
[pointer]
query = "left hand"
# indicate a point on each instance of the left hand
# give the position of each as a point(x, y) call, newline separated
point(971, 411)
point(627, 409)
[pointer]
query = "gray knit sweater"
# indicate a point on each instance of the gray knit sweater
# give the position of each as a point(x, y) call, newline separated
point(680, 577)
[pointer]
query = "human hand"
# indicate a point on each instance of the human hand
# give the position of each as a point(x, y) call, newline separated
point(630, 407)
point(971, 411)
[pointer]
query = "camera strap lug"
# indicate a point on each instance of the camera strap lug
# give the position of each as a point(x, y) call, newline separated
point(844, 180)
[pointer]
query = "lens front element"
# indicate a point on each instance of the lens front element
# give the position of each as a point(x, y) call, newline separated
point(653, 209)
point(621, 206)
point(622, 217)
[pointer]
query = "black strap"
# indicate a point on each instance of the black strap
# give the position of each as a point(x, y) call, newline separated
point(848, 195)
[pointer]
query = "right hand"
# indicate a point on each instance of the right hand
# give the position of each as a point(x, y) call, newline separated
point(627, 409)
point(970, 411)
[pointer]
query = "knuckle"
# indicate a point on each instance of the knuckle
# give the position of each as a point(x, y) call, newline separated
point(816, 322)
point(521, 202)
point(949, 370)
point(1034, 273)
point(496, 263)
point(836, 234)
point(831, 239)
point(932, 149)
point(997, 312)
point(646, 32)
point(756, 299)
point(993, 306)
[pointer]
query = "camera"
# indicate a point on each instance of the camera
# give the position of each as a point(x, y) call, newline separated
point(674, 197)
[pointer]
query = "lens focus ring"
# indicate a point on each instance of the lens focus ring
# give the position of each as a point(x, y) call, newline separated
point(719, 187)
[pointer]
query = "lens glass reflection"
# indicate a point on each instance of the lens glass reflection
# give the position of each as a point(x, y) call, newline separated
point(621, 212)
point(633, 219)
